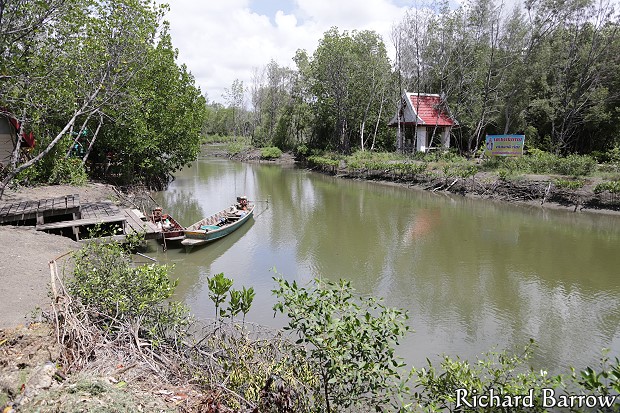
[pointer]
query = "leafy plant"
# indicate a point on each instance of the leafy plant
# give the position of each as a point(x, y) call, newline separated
point(569, 183)
point(218, 288)
point(234, 304)
point(611, 186)
point(438, 388)
point(351, 340)
point(270, 152)
point(105, 281)
point(247, 297)
point(603, 382)
point(68, 171)
point(234, 148)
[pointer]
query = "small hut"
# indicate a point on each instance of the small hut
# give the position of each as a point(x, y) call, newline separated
point(423, 121)
point(9, 128)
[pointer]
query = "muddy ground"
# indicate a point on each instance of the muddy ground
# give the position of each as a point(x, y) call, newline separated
point(26, 253)
point(30, 380)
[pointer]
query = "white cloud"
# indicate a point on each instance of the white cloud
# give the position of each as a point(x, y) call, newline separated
point(223, 41)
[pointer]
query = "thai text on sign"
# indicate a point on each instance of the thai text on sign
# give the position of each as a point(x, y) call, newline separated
point(504, 145)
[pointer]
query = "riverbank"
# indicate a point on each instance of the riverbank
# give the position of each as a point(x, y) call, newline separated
point(29, 347)
point(542, 190)
point(24, 269)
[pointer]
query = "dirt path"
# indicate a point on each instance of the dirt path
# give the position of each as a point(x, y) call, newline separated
point(25, 254)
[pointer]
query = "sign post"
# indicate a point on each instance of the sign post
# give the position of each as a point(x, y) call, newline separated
point(504, 145)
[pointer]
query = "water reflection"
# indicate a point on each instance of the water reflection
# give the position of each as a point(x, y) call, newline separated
point(473, 274)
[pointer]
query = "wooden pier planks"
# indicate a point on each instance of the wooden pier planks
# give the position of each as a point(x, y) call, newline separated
point(77, 217)
point(41, 209)
point(126, 219)
point(134, 224)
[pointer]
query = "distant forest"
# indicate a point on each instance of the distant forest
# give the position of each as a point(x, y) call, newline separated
point(549, 70)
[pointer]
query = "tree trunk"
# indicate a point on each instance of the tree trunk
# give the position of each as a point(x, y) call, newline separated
point(15, 171)
point(77, 138)
point(92, 141)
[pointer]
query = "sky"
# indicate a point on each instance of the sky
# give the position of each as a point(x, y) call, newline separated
point(224, 40)
point(221, 41)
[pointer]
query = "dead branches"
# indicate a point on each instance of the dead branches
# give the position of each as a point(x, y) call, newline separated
point(226, 366)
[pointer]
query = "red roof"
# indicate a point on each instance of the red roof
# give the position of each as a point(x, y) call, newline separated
point(28, 137)
point(430, 109)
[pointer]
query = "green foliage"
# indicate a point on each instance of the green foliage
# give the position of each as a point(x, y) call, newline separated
point(351, 340)
point(234, 148)
point(106, 283)
point(240, 301)
point(610, 186)
point(575, 165)
point(87, 64)
point(55, 168)
point(508, 375)
point(467, 171)
point(216, 138)
point(503, 174)
point(162, 131)
point(604, 382)
point(270, 152)
point(323, 161)
point(218, 288)
point(68, 171)
point(247, 297)
point(541, 162)
point(302, 149)
point(350, 74)
point(569, 183)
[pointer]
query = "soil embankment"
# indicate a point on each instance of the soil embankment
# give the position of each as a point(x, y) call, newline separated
point(26, 253)
point(541, 190)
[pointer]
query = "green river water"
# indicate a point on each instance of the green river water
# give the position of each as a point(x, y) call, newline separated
point(474, 275)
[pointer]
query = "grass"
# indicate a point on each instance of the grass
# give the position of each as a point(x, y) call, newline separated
point(226, 139)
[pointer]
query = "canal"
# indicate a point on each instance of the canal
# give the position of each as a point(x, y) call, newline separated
point(474, 275)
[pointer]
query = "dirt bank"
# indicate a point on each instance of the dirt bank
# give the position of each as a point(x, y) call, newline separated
point(539, 190)
point(24, 265)
point(254, 155)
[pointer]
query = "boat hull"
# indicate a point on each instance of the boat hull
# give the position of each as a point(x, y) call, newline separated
point(195, 235)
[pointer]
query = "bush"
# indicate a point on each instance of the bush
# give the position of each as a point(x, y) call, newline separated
point(234, 148)
point(323, 161)
point(575, 165)
point(541, 162)
point(270, 152)
point(68, 171)
point(611, 186)
point(302, 149)
point(107, 284)
point(506, 375)
point(351, 341)
point(569, 184)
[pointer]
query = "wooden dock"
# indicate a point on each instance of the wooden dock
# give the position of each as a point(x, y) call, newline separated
point(126, 221)
point(42, 211)
point(65, 216)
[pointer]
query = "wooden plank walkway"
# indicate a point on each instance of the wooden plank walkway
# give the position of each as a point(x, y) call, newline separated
point(126, 219)
point(68, 213)
point(120, 219)
point(100, 209)
point(41, 209)
point(133, 224)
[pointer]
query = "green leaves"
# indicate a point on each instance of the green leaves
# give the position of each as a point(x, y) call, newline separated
point(351, 339)
point(348, 74)
point(106, 283)
point(240, 301)
point(218, 288)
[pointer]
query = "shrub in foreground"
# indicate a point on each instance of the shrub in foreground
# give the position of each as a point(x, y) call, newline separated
point(108, 285)
point(350, 340)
